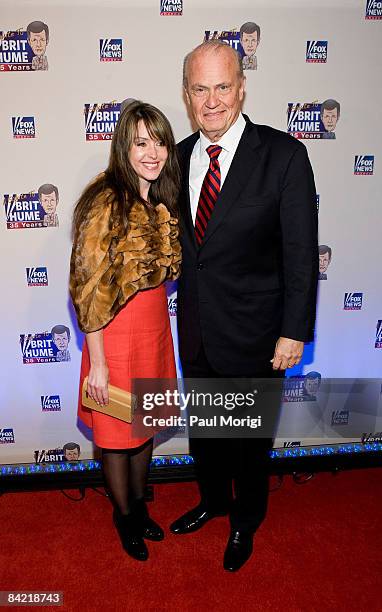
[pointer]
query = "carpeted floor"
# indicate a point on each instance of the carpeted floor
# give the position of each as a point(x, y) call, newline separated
point(319, 549)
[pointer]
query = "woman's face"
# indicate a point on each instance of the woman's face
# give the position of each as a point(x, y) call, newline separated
point(147, 156)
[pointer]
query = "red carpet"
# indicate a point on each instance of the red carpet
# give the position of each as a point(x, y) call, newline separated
point(320, 549)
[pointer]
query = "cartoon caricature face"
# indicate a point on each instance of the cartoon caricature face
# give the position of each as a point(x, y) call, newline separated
point(38, 42)
point(329, 119)
point(72, 454)
point(61, 341)
point(324, 261)
point(312, 385)
point(249, 42)
point(49, 202)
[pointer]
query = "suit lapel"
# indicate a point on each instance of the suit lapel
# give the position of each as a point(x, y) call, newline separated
point(185, 204)
point(242, 166)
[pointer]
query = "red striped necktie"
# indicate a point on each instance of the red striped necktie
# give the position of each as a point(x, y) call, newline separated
point(209, 193)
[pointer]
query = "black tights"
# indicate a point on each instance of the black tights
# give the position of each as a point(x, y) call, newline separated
point(125, 472)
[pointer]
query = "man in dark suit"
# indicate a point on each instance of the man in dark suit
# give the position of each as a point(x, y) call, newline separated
point(246, 298)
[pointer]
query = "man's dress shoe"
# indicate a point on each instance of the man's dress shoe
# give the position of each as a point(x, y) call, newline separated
point(238, 551)
point(193, 520)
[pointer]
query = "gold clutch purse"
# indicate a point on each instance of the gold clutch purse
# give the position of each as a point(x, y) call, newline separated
point(121, 403)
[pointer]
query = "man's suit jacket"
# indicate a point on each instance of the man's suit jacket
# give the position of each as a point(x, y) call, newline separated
point(254, 277)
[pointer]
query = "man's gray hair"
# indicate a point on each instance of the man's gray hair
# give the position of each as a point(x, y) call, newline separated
point(214, 45)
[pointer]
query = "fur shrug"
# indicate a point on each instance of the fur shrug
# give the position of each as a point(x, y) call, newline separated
point(108, 266)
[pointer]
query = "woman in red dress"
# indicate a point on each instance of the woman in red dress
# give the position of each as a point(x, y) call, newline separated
point(125, 246)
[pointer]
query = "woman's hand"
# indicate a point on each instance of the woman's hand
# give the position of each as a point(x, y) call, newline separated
point(97, 383)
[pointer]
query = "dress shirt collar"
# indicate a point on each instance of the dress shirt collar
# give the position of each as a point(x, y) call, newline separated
point(229, 140)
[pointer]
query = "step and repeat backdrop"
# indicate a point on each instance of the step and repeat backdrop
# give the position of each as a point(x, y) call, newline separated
point(312, 69)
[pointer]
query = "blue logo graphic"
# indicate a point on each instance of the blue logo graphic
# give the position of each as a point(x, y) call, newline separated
point(316, 51)
point(101, 119)
point(15, 51)
point(110, 49)
point(373, 9)
point(304, 120)
point(23, 127)
point(53, 455)
point(171, 7)
point(313, 120)
point(37, 277)
point(340, 417)
point(7, 436)
point(231, 37)
point(46, 347)
point(172, 306)
point(353, 301)
point(364, 164)
point(302, 388)
point(50, 403)
point(23, 211)
point(378, 335)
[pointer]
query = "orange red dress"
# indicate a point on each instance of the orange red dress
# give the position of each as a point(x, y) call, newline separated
point(117, 284)
point(138, 344)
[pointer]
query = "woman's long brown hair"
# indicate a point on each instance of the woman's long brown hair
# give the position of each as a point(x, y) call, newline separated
point(121, 178)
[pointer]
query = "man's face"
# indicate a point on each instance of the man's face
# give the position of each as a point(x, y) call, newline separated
point(61, 341)
point(312, 385)
point(37, 41)
point(324, 262)
point(214, 91)
point(49, 202)
point(72, 455)
point(249, 43)
point(329, 119)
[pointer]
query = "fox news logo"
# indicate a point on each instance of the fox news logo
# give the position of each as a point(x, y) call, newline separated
point(50, 403)
point(304, 120)
point(231, 37)
point(364, 164)
point(340, 417)
point(37, 277)
point(15, 51)
point(7, 436)
point(53, 455)
point(110, 49)
point(171, 7)
point(23, 211)
point(294, 444)
point(353, 301)
point(373, 9)
point(378, 335)
point(172, 306)
point(101, 119)
point(316, 51)
point(23, 127)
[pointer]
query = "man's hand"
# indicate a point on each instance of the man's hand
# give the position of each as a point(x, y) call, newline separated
point(288, 353)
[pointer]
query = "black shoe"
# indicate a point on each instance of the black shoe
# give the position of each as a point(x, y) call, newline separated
point(193, 520)
point(238, 551)
point(130, 531)
point(151, 529)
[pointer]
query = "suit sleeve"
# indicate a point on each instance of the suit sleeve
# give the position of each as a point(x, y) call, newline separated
point(298, 216)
